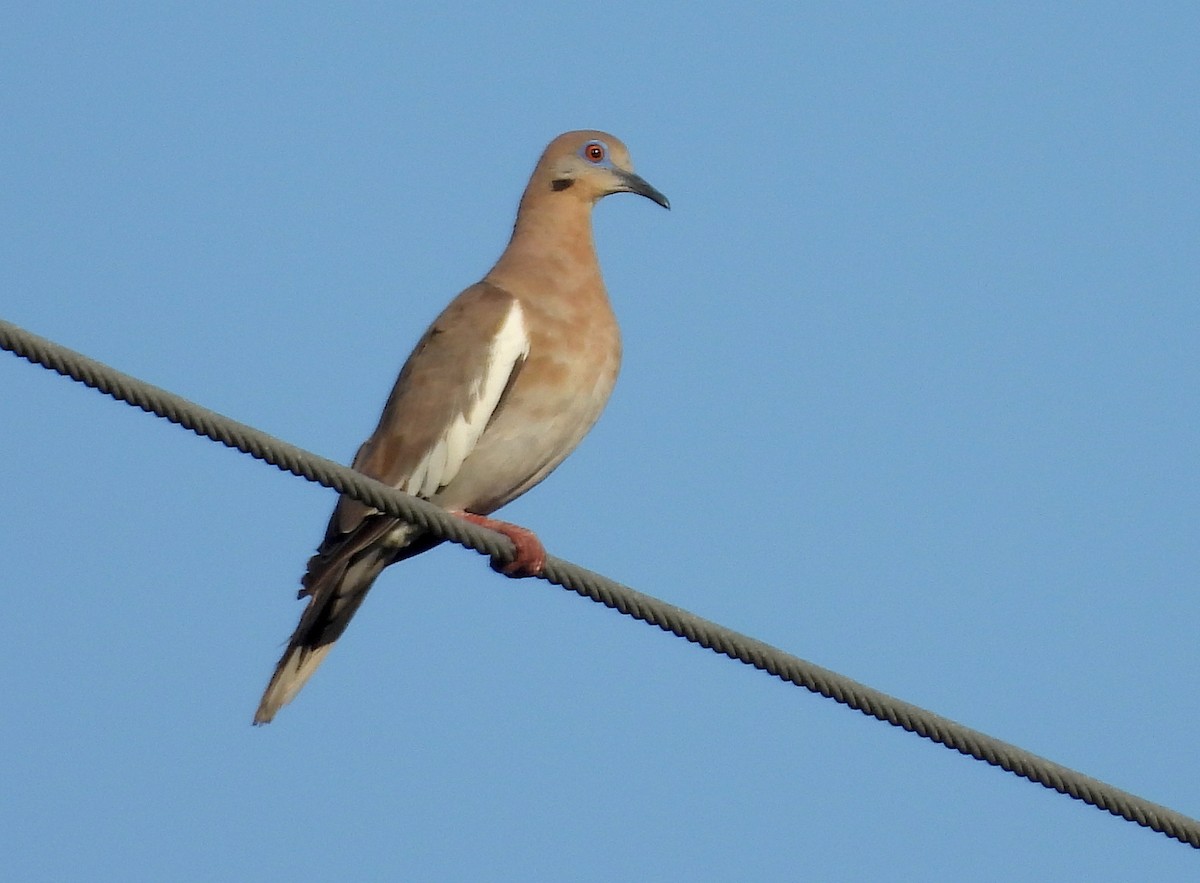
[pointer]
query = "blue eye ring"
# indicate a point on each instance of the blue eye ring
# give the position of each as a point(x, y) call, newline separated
point(595, 152)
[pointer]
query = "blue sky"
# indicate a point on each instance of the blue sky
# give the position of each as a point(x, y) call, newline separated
point(910, 390)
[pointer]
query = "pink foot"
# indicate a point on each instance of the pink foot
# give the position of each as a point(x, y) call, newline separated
point(530, 554)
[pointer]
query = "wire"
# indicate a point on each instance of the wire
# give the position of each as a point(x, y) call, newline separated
point(651, 610)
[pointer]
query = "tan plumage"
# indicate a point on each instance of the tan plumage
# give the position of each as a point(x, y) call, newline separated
point(499, 390)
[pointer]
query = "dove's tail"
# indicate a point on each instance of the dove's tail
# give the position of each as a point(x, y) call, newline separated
point(334, 597)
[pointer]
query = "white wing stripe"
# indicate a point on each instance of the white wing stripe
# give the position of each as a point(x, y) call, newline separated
point(439, 466)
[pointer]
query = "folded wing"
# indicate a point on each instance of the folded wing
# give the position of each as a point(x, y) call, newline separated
point(442, 402)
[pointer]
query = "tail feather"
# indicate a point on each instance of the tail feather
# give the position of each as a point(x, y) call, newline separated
point(338, 579)
point(293, 671)
point(334, 598)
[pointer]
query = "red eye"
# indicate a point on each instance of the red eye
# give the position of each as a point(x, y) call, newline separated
point(594, 151)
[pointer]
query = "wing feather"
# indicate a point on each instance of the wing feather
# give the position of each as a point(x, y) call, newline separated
point(446, 394)
point(507, 349)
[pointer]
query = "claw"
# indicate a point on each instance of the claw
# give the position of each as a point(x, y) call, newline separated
point(529, 555)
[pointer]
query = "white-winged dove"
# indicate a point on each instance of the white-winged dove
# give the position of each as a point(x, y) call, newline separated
point(499, 390)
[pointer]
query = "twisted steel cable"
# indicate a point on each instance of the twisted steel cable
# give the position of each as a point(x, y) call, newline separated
point(667, 617)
